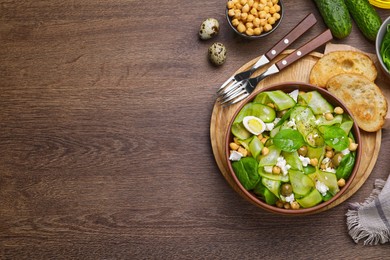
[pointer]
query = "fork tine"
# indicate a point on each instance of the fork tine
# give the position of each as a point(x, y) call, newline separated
point(238, 99)
point(231, 97)
point(232, 92)
point(227, 82)
point(231, 89)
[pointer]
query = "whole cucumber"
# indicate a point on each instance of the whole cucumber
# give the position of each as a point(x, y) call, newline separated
point(365, 16)
point(336, 17)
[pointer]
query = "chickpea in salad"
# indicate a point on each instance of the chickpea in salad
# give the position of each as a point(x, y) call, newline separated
point(293, 150)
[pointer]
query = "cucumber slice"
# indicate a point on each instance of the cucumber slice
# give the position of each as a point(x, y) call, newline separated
point(271, 176)
point(301, 183)
point(272, 186)
point(317, 103)
point(310, 200)
point(255, 146)
point(271, 158)
point(239, 131)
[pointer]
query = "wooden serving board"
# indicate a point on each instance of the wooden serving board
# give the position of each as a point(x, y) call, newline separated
point(298, 71)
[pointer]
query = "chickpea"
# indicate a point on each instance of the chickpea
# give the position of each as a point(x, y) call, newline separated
point(328, 148)
point(237, 14)
point(287, 205)
point(256, 22)
point(264, 2)
point(256, 5)
point(234, 146)
point(276, 170)
point(295, 205)
point(231, 12)
point(249, 31)
point(266, 9)
point(341, 182)
point(230, 4)
point(329, 154)
point(254, 11)
point(275, 1)
point(249, 25)
point(323, 166)
point(329, 116)
point(272, 10)
point(303, 150)
point(271, 20)
point(267, 27)
point(260, 136)
point(241, 27)
point(235, 22)
point(262, 23)
point(235, 1)
point(338, 110)
point(279, 204)
point(244, 17)
point(352, 147)
point(264, 140)
point(238, 6)
point(251, 3)
point(245, 8)
point(262, 14)
point(277, 8)
point(243, 2)
point(314, 162)
point(250, 18)
point(257, 30)
point(276, 16)
point(265, 151)
point(242, 151)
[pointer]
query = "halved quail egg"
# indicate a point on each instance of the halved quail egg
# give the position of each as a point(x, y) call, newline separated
point(254, 124)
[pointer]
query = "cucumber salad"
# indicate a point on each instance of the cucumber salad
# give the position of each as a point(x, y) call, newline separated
point(292, 150)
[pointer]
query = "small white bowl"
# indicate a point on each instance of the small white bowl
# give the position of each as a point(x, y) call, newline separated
point(379, 37)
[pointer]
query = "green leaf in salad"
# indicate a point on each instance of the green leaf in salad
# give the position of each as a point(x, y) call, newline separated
point(336, 138)
point(246, 172)
point(288, 140)
point(385, 48)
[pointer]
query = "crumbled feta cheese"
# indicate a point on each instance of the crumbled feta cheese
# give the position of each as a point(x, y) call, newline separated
point(291, 124)
point(345, 152)
point(282, 164)
point(276, 121)
point(290, 198)
point(326, 160)
point(321, 187)
point(294, 95)
point(235, 156)
point(328, 169)
point(269, 126)
point(317, 121)
point(268, 168)
point(305, 160)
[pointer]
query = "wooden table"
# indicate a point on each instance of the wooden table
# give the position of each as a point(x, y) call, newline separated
point(105, 153)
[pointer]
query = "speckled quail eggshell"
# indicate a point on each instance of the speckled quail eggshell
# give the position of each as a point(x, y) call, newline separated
point(209, 28)
point(217, 53)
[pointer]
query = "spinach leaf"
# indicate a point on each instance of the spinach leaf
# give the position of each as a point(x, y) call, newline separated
point(336, 138)
point(385, 48)
point(288, 140)
point(346, 166)
point(246, 172)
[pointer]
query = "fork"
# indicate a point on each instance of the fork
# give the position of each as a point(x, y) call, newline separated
point(244, 88)
point(294, 34)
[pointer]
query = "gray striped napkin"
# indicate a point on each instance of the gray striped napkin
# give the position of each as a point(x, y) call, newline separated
point(370, 220)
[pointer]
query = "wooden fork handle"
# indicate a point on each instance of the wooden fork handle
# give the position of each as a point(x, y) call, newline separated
point(294, 34)
point(318, 41)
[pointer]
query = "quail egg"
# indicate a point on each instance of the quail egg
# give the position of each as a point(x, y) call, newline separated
point(209, 28)
point(217, 53)
point(254, 125)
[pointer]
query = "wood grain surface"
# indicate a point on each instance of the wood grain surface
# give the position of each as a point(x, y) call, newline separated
point(105, 150)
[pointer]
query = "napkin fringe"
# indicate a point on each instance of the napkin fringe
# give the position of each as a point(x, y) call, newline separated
point(357, 231)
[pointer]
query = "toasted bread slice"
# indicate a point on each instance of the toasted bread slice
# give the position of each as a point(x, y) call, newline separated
point(362, 97)
point(338, 62)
